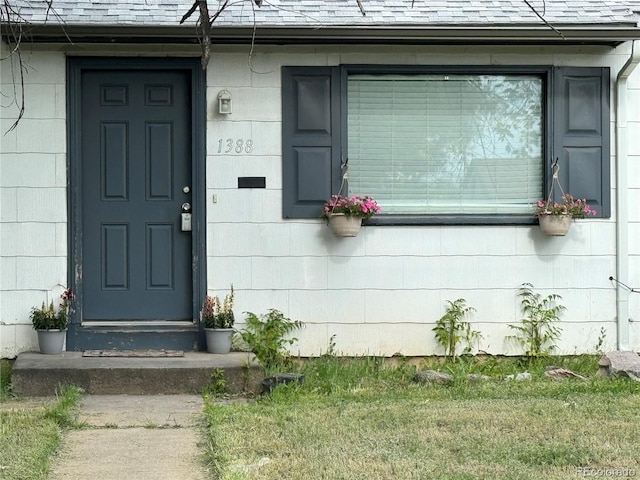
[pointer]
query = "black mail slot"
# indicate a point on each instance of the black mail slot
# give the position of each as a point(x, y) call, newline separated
point(252, 182)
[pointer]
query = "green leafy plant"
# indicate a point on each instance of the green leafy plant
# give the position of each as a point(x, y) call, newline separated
point(266, 337)
point(217, 315)
point(537, 332)
point(217, 385)
point(47, 318)
point(451, 329)
point(601, 339)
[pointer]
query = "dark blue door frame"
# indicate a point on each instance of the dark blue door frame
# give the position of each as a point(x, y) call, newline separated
point(184, 335)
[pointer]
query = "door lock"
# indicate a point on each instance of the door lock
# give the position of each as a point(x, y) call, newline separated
point(186, 217)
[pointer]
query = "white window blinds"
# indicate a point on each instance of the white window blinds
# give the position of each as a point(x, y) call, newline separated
point(446, 144)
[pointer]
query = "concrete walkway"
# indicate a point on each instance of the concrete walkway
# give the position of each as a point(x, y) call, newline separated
point(133, 437)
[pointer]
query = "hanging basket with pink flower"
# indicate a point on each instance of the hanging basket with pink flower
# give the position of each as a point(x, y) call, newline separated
point(345, 214)
point(555, 217)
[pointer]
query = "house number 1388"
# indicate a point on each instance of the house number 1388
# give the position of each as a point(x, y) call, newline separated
point(231, 145)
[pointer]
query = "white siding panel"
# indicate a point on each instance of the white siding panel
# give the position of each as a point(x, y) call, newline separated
point(224, 271)
point(634, 203)
point(423, 272)
point(61, 240)
point(459, 272)
point(363, 273)
point(41, 272)
point(585, 272)
point(246, 205)
point(260, 302)
point(372, 339)
point(267, 137)
point(583, 337)
point(225, 128)
point(327, 306)
point(602, 305)
point(228, 70)
point(633, 177)
point(8, 342)
point(401, 306)
point(259, 104)
point(8, 205)
point(289, 273)
point(531, 241)
point(8, 273)
point(41, 136)
point(634, 238)
point(17, 305)
point(41, 101)
point(45, 67)
point(28, 170)
point(338, 247)
point(249, 239)
point(223, 170)
point(511, 272)
point(9, 139)
point(42, 205)
point(634, 336)
point(633, 135)
point(313, 339)
point(410, 241)
point(28, 239)
point(602, 238)
point(479, 241)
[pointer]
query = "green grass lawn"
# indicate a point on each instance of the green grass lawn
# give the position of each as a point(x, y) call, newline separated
point(362, 419)
point(30, 430)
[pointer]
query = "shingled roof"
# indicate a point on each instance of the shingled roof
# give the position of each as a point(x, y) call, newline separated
point(335, 18)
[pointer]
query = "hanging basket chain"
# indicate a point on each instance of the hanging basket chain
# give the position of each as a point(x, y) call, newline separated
point(555, 181)
point(345, 177)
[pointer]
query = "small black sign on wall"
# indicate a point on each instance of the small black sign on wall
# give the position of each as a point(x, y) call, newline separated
point(252, 182)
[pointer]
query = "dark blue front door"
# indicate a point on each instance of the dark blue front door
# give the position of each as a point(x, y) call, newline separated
point(135, 164)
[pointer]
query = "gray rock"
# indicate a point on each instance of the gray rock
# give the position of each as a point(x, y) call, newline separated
point(519, 377)
point(431, 377)
point(620, 363)
point(558, 373)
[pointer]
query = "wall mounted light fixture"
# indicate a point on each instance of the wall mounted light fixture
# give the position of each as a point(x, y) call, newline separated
point(224, 102)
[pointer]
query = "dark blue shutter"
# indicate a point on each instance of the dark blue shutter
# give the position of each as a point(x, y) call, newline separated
point(581, 134)
point(310, 139)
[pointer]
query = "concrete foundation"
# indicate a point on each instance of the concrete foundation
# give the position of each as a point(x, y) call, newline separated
point(35, 374)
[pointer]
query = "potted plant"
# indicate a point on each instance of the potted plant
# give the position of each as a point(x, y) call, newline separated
point(555, 218)
point(218, 322)
point(345, 214)
point(51, 325)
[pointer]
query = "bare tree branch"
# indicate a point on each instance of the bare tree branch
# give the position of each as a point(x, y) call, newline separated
point(541, 16)
point(15, 30)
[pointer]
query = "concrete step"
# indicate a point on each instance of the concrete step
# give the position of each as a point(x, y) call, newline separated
point(35, 374)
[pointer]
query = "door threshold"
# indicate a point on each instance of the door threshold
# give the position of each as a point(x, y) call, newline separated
point(139, 323)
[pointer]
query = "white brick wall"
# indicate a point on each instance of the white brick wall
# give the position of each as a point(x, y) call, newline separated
point(378, 293)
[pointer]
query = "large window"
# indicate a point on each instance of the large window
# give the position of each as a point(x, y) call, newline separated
point(446, 144)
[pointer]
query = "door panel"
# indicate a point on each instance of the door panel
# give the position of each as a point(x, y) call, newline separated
point(135, 162)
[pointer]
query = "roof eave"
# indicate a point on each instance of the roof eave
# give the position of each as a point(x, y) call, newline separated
point(372, 34)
